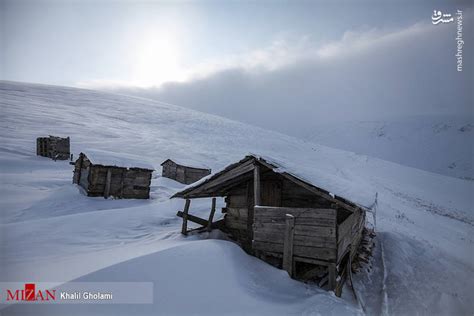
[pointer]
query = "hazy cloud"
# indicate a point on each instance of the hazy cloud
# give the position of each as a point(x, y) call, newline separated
point(367, 74)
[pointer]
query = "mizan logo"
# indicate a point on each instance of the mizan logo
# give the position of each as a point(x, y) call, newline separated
point(29, 294)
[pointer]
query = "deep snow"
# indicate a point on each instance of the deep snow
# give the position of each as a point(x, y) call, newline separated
point(437, 144)
point(51, 232)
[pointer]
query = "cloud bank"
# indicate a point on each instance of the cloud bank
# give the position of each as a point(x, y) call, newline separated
point(366, 75)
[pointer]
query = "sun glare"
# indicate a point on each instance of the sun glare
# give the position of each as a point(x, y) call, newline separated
point(157, 60)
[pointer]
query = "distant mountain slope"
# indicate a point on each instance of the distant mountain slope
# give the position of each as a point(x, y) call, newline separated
point(436, 144)
point(50, 231)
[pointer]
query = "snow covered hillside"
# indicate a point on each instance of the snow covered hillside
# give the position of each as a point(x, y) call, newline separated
point(50, 232)
point(442, 145)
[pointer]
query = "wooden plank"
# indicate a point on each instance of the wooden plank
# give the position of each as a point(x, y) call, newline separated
point(237, 201)
point(297, 258)
point(241, 212)
point(108, 179)
point(288, 244)
point(320, 242)
point(184, 228)
point(345, 227)
point(303, 221)
point(239, 170)
point(316, 231)
point(256, 184)
point(192, 218)
point(332, 276)
point(342, 247)
point(270, 194)
point(327, 254)
point(235, 222)
point(211, 216)
point(319, 192)
point(121, 184)
point(250, 206)
point(267, 211)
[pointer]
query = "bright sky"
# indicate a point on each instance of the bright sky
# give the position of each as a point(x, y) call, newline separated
point(147, 43)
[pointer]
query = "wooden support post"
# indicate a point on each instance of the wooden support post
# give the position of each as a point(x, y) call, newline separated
point(332, 276)
point(122, 177)
point(256, 184)
point(184, 228)
point(288, 244)
point(211, 216)
point(107, 183)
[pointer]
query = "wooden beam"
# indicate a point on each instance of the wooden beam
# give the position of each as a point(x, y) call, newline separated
point(218, 179)
point(332, 276)
point(211, 216)
point(122, 176)
point(107, 183)
point(81, 157)
point(194, 219)
point(184, 228)
point(217, 224)
point(256, 184)
point(288, 244)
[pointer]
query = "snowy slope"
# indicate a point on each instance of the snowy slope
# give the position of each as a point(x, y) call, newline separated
point(50, 232)
point(442, 145)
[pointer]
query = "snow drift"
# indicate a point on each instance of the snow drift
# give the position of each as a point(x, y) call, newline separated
point(50, 232)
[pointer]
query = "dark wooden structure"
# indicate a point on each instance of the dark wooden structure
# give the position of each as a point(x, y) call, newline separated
point(282, 219)
point(53, 147)
point(181, 173)
point(107, 180)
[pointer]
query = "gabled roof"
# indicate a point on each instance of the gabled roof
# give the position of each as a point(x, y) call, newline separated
point(187, 165)
point(107, 158)
point(217, 184)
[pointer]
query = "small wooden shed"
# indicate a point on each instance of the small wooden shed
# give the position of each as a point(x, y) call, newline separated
point(181, 173)
point(105, 178)
point(53, 147)
point(281, 218)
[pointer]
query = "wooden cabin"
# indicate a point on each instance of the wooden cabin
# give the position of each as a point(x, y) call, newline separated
point(181, 173)
point(53, 147)
point(282, 219)
point(101, 179)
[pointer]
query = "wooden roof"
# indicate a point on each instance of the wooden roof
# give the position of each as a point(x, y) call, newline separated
point(219, 183)
point(184, 165)
point(108, 159)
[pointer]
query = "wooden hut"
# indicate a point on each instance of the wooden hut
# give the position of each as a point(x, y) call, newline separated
point(104, 178)
point(53, 147)
point(181, 173)
point(281, 218)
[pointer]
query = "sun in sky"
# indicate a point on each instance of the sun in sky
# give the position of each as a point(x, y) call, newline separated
point(156, 59)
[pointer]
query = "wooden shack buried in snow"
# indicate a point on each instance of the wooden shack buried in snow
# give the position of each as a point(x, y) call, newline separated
point(53, 147)
point(181, 173)
point(281, 218)
point(112, 177)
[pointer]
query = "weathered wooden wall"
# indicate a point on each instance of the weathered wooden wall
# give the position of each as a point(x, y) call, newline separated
point(53, 147)
point(314, 231)
point(349, 234)
point(275, 191)
point(236, 218)
point(294, 195)
point(98, 180)
point(183, 174)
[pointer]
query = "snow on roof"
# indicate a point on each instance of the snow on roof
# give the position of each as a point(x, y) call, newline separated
point(336, 185)
point(188, 163)
point(108, 158)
